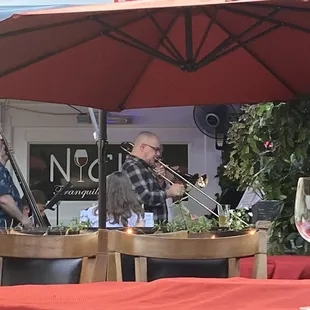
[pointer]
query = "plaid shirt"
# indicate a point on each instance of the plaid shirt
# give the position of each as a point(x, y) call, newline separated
point(146, 187)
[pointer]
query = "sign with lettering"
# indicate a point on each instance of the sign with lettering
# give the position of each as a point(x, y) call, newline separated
point(52, 166)
point(266, 210)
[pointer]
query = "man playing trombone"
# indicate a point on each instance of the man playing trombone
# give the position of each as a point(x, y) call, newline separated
point(139, 166)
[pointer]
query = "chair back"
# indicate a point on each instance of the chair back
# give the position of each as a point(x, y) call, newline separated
point(51, 259)
point(170, 248)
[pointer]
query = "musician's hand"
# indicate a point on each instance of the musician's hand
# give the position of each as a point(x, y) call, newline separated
point(160, 171)
point(26, 221)
point(175, 190)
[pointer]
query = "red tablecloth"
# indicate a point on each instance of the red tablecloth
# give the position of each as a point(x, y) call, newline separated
point(280, 267)
point(177, 293)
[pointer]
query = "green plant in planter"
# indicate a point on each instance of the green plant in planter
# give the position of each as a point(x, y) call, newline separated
point(74, 227)
point(243, 214)
point(270, 151)
point(194, 224)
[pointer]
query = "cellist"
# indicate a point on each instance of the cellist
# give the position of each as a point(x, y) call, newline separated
point(10, 202)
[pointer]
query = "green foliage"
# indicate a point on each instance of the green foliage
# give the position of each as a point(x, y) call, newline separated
point(235, 223)
point(202, 224)
point(75, 226)
point(192, 225)
point(224, 181)
point(275, 169)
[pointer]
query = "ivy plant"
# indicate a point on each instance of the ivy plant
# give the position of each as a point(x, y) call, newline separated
point(270, 150)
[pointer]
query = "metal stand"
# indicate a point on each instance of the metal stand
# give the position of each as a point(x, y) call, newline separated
point(57, 213)
point(102, 167)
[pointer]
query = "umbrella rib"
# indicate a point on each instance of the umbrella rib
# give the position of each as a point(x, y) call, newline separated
point(123, 104)
point(53, 53)
point(60, 24)
point(45, 56)
point(188, 23)
point(174, 52)
point(252, 39)
point(206, 33)
point(39, 28)
point(148, 50)
point(262, 63)
point(283, 7)
point(269, 19)
point(135, 44)
point(229, 41)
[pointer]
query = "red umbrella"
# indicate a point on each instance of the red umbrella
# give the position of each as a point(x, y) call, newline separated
point(158, 53)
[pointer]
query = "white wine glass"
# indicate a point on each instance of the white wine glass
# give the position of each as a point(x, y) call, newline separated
point(302, 208)
point(224, 215)
point(81, 159)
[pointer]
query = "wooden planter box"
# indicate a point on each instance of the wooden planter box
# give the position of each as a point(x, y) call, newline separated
point(41, 232)
point(205, 234)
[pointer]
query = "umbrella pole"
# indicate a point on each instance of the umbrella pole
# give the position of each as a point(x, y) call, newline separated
point(102, 167)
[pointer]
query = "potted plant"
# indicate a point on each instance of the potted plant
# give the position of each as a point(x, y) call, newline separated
point(203, 226)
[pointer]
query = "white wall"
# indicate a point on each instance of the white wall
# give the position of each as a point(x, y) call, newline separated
point(27, 122)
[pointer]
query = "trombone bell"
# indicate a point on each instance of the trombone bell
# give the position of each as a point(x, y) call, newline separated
point(195, 180)
point(203, 181)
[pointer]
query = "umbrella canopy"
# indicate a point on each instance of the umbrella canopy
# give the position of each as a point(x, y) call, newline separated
point(10, 7)
point(157, 53)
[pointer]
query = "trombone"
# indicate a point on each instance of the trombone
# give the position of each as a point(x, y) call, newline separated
point(201, 182)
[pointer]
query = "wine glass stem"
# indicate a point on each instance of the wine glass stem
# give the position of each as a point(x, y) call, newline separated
point(81, 172)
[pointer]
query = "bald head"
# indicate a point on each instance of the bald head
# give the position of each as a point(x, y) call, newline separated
point(147, 147)
point(145, 137)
